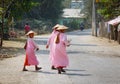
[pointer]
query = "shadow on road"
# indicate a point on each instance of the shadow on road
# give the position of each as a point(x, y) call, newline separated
point(44, 72)
point(83, 45)
point(67, 73)
point(76, 74)
point(43, 52)
point(85, 32)
point(74, 70)
point(77, 52)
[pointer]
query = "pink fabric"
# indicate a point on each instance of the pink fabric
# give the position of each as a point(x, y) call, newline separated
point(27, 28)
point(26, 61)
point(30, 51)
point(51, 38)
point(58, 55)
point(50, 43)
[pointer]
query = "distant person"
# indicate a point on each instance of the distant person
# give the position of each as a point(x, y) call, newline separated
point(82, 26)
point(12, 34)
point(30, 48)
point(118, 29)
point(109, 31)
point(115, 32)
point(27, 28)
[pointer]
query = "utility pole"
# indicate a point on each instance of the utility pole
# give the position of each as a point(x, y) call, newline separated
point(94, 26)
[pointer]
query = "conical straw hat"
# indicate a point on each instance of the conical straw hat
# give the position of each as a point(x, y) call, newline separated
point(30, 32)
point(56, 26)
point(62, 27)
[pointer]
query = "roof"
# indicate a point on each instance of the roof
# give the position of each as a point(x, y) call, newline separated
point(76, 1)
point(72, 13)
point(114, 21)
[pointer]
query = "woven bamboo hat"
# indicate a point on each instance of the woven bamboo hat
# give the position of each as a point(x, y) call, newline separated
point(56, 26)
point(62, 27)
point(30, 32)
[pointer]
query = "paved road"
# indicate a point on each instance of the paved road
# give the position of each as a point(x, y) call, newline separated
point(92, 61)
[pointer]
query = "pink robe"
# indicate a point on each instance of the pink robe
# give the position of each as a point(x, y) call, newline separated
point(50, 43)
point(58, 52)
point(27, 28)
point(31, 59)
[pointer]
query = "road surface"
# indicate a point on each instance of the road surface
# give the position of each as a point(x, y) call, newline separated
point(92, 61)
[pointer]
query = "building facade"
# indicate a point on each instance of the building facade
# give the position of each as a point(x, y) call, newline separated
point(77, 4)
point(73, 14)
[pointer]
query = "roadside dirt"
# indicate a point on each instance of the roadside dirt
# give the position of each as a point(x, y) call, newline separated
point(11, 48)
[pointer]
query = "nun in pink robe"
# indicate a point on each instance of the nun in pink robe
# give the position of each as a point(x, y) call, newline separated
point(30, 49)
point(50, 43)
point(60, 59)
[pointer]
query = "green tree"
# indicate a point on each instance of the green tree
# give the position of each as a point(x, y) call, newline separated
point(51, 9)
point(67, 3)
point(13, 8)
point(87, 10)
point(109, 8)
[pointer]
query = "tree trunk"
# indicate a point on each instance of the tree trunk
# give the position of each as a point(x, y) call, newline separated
point(1, 43)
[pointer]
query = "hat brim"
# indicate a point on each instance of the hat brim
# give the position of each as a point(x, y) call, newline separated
point(56, 26)
point(30, 32)
point(62, 27)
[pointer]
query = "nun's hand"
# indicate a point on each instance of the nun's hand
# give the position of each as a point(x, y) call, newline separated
point(37, 49)
point(69, 40)
point(68, 45)
point(47, 46)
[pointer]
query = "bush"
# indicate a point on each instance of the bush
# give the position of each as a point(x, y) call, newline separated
point(73, 25)
point(39, 26)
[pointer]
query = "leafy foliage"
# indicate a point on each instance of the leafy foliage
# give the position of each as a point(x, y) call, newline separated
point(51, 9)
point(87, 10)
point(12, 8)
point(46, 10)
point(16, 8)
point(67, 3)
point(109, 8)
